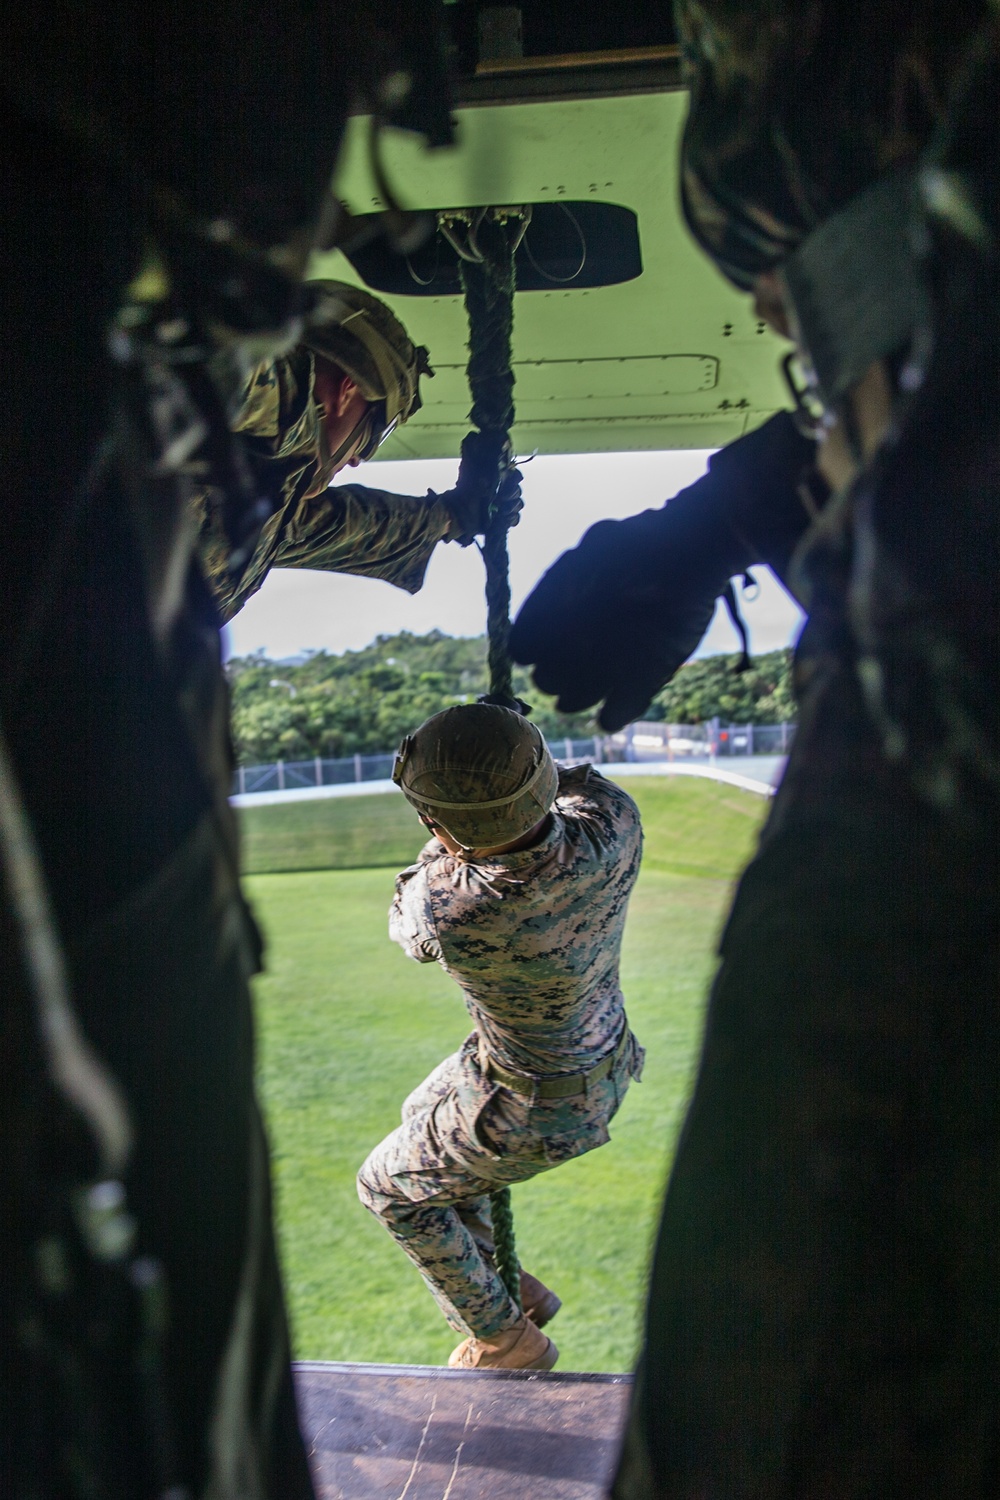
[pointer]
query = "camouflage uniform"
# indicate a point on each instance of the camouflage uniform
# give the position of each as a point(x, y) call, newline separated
point(533, 939)
point(344, 529)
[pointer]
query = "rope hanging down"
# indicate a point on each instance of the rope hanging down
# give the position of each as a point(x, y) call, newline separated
point(488, 284)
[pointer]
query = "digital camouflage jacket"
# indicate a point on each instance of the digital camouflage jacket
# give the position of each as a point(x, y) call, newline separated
point(534, 937)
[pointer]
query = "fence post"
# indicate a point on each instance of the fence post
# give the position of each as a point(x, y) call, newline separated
point(598, 751)
point(784, 737)
point(281, 775)
point(357, 767)
point(749, 739)
point(242, 780)
point(569, 749)
point(319, 771)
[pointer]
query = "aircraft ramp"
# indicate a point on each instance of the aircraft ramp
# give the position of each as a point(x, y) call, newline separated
point(414, 1432)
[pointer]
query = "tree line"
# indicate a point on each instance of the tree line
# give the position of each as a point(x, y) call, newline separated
point(363, 702)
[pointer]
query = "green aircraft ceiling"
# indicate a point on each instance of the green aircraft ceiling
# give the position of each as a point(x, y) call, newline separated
point(672, 358)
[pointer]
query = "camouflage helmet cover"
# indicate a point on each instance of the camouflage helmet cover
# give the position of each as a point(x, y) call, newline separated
point(798, 105)
point(481, 772)
point(361, 335)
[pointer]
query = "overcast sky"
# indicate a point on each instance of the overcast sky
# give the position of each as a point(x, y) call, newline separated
point(298, 609)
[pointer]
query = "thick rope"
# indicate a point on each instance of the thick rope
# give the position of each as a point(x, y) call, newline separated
point(504, 1247)
point(489, 301)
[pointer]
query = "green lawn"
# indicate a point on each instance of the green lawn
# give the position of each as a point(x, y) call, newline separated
point(336, 833)
point(693, 827)
point(348, 1026)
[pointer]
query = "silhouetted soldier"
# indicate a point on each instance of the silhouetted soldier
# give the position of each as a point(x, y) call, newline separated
point(181, 152)
point(823, 1313)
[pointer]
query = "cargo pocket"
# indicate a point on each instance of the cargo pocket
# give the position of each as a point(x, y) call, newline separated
point(571, 1127)
point(560, 1148)
point(474, 1101)
point(503, 1129)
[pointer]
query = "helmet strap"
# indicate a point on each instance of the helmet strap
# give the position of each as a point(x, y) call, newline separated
point(351, 437)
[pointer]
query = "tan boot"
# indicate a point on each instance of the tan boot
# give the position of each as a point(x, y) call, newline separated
point(523, 1347)
point(540, 1305)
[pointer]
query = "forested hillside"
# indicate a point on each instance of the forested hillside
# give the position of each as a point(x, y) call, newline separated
point(365, 701)
point(711, 688)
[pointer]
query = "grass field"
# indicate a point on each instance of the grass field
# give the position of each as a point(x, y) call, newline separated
point(693, 827)
point(336, 833)
point(348, 1026)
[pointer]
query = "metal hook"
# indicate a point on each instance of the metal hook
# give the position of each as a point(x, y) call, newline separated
point(446, 223)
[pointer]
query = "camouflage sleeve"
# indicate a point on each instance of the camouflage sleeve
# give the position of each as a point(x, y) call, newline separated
point(340, 529)
point(411, 918)
point(351, 529)
point(592, 797)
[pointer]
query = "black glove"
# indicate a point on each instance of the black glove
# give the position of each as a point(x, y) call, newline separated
point(615, 618)
point(470, 504)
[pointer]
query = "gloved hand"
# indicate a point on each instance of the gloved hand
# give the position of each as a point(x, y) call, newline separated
point(612, 620)
point(469, 504)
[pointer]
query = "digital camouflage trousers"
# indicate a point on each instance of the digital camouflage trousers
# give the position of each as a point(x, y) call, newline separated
point(462, 1137)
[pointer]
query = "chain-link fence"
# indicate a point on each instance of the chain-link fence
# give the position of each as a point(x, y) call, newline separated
point(288, 775)
point(755, 739)
point(655, 741)
point(639, 742)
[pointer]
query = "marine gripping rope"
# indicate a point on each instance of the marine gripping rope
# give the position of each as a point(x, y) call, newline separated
point(486, 263)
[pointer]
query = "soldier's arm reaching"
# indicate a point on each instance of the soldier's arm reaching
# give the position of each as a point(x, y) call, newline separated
point(348, 528)
point(613, 619)
point(309, 414)
point(351, 528)
point(372, 533)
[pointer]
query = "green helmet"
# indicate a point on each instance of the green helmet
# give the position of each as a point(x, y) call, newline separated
point(359, 333)
point(482, 773)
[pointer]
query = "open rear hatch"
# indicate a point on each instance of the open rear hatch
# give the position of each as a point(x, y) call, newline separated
point(417, 1432)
